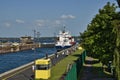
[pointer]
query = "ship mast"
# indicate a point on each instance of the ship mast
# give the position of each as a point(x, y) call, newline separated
point(64, 29)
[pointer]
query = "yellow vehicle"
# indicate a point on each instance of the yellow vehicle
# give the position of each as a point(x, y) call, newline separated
point(80, 48)
point(42, 69)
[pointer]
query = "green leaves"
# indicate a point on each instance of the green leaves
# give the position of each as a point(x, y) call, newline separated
point(99, 38)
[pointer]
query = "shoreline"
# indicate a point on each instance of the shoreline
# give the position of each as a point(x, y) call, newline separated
point(22, 47)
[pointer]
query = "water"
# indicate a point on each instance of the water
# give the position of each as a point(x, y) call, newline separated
point(13, 60)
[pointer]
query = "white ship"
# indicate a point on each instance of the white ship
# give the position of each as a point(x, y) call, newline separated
point(64, 40)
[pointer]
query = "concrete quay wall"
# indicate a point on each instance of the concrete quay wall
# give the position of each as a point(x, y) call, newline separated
point(9, 49)
point(21, 47)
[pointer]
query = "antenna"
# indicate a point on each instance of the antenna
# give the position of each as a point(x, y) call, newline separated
point(38, 36)
point(34, 31)
point(64, 28)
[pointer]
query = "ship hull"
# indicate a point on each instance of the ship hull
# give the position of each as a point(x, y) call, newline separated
point(64, 40)
point(59, 48)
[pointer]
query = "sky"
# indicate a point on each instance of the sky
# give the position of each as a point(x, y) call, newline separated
point(21, 17)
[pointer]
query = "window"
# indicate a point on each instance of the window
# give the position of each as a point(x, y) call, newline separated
point(42, 67)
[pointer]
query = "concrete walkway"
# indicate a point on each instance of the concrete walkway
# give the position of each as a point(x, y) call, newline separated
point(91, 72)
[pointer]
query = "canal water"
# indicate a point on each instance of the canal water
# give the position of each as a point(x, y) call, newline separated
point(12, 60)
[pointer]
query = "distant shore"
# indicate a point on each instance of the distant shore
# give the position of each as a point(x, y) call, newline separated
point(16, 48)
point(21, 47)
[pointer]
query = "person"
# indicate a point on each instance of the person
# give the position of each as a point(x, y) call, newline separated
point(67, 53)
point(56, 55)
point(63, 52)
point(46, 56)
point(33, 68)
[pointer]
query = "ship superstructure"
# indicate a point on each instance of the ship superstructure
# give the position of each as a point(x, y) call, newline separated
point(64, 40)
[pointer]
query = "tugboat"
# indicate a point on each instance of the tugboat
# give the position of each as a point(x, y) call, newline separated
point(64, 40)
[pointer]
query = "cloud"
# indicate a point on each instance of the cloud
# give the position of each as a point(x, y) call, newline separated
point(40, 23)
point(40, 20)
point(57, 22)
point(19, 21)
point(7, 24)
point(68, 16)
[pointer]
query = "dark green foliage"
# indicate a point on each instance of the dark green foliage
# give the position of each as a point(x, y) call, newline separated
point(116, 24)
point(99, 38)
point(117, 63)
point(102, 37)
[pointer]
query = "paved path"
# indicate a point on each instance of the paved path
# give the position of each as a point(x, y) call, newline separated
point(25, 75)
point(92, 73)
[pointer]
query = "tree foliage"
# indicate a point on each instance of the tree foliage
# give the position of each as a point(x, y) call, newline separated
point(99, 38)
point(116, 24)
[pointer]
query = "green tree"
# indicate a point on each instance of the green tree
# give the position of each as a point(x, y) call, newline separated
point(116, 24)
point(99, 37)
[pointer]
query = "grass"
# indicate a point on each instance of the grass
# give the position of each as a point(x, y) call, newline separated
point(59, 69)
